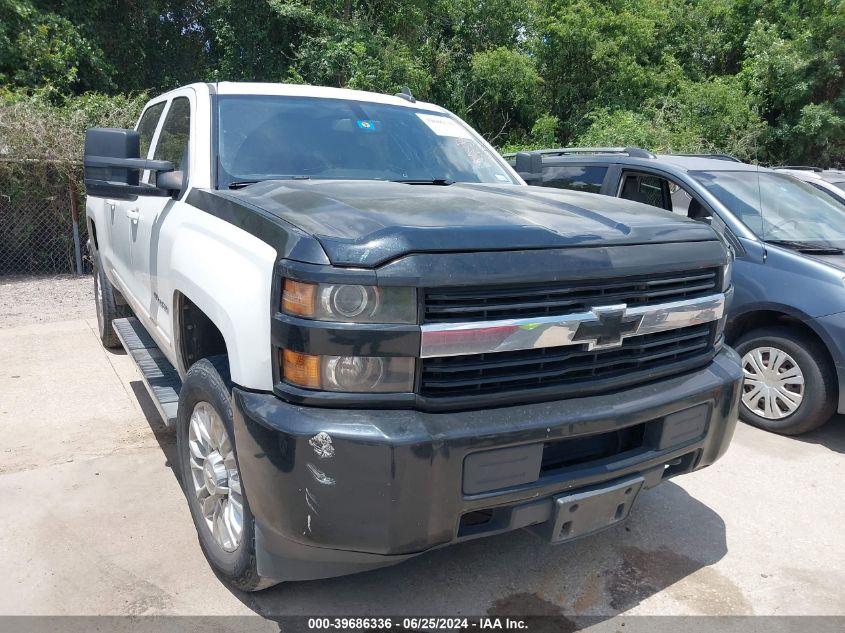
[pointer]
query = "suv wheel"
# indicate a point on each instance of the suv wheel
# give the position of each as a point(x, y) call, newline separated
point(210, 476)
point(789, 386)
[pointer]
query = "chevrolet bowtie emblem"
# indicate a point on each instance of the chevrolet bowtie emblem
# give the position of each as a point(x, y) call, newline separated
point(609, 328)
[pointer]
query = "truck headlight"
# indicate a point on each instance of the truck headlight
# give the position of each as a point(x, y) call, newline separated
point(349, 303)
point(351, 374)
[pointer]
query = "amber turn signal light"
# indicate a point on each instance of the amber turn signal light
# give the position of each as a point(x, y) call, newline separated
point(302, 370)
point(298, 298)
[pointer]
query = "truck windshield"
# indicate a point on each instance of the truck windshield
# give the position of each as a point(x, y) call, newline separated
point(778, 207)
point(268, 137)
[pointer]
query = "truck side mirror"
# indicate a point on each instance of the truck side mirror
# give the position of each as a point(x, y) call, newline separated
point(113, 164)
point(170, 181)
point(175, 182)
point(529, 165)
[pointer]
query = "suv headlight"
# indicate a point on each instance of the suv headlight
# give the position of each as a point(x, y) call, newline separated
point(349, 303)
point(350, 374)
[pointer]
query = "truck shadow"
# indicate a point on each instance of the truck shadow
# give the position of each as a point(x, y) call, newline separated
point(165, 437)
point(669, 536)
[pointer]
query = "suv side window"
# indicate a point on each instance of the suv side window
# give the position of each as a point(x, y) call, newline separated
point(175, 134)
point(684, 203)
point(663, 194)
point(647, 189)
point(577, 177)
point(681, 199)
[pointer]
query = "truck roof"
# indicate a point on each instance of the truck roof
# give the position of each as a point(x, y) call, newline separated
point(302, 90)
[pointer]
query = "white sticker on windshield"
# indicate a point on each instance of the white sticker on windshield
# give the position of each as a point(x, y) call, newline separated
point(444, 125)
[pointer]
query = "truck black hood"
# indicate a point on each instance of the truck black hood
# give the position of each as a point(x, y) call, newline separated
point(366, 223)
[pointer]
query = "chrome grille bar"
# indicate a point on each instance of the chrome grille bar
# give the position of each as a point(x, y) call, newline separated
point(602, 327)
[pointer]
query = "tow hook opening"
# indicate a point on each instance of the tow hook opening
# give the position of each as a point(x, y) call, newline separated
point(679, 465)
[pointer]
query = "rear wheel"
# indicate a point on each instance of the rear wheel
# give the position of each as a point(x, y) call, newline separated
point(211, 477)
point(789, 385)
point(107, 308)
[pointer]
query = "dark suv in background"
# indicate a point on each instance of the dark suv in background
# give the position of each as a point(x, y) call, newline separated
point(787, 318)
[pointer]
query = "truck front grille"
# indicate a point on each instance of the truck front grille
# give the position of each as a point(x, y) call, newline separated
point(452, 305)
point(569, 370)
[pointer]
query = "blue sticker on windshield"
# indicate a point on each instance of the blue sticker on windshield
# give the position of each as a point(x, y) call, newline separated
point(367, 126)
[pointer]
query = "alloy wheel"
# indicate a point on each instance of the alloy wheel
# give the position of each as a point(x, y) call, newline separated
point(215, 477)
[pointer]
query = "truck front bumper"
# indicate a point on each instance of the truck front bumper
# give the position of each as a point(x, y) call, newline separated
point(340, 491)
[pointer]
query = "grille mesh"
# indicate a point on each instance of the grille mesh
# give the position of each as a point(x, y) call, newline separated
point(568, 367)
point(452, 305)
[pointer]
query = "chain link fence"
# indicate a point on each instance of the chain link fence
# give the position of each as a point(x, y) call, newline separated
point(42, 220)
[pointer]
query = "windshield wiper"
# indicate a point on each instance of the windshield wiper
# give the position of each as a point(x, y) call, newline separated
point(443, 182)
point(240, 184)
point(807, 247)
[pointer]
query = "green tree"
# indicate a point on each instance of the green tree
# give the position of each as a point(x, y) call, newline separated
point(43, 50)
point(506, 92)
point(794, 69)
point(610, 54)
point(756, 78)
point(710, 116)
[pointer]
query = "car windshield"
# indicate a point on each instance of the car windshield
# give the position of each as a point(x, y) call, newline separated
point(778, 207)
point(267, 137)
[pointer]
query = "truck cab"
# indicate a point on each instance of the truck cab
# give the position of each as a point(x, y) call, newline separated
point(374, 339)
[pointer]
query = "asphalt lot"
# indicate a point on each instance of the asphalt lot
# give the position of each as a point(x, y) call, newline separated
point(95, 522)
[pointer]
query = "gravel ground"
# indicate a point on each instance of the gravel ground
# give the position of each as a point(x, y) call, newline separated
point(27, 300)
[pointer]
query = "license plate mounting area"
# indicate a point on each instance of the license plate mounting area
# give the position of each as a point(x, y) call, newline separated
point(583, 512)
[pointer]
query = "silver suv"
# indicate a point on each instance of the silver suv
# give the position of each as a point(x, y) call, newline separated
point(831, 181)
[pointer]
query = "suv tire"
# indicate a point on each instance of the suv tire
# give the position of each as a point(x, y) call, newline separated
point(208, 469)
point(774, 362)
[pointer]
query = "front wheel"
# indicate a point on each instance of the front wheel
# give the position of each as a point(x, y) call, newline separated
point(210, 475)
point(790, 385)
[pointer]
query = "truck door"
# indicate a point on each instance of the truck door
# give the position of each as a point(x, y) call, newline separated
point(172, 143)
point(120, 213)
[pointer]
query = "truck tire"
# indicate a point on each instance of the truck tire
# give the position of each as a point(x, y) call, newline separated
point(210, 475)
point(790, 386)
point(107, 308)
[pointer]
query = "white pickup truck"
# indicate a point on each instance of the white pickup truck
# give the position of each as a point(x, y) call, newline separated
point(373, 339)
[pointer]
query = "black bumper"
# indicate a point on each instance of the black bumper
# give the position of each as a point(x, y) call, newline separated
point(378, 486)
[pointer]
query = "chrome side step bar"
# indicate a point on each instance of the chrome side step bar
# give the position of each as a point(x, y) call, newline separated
point(160, 377)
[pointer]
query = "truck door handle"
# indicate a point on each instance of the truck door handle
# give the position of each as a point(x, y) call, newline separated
point(133, 214)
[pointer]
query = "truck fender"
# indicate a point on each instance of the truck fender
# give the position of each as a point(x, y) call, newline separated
point(228, 274)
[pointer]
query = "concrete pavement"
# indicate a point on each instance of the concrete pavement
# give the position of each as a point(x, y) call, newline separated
point(95, 522)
